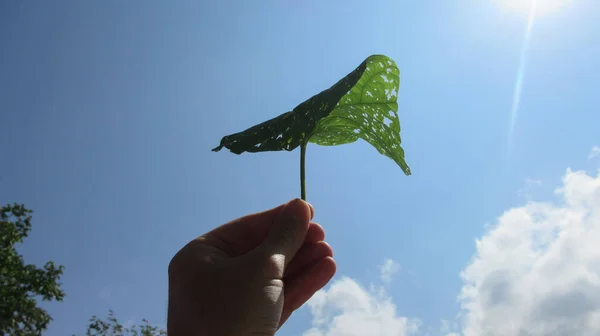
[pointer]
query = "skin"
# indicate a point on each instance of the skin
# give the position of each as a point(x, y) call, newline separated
point(248, 276)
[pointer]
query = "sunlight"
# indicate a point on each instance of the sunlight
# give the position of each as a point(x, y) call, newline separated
point(533, 9)
point(521, 71)
point(541, 7)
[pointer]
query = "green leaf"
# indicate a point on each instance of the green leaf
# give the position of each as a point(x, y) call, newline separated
point(362, 105)
point(22, 285)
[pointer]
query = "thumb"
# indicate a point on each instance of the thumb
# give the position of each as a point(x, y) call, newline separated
point(288, 233)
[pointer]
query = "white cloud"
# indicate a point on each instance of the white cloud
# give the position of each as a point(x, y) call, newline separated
point(529, 185)
point(347, 309)
point(447, 329)
point(387, 269)
point(537, 271)
point(595, 152)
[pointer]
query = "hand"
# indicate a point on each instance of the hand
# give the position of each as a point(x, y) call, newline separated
point(246, 277)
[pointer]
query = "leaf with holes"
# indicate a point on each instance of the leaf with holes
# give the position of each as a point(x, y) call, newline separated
point(362, 105)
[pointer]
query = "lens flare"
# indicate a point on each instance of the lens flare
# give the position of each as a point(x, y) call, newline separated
point(542, 7)
point(521, 71)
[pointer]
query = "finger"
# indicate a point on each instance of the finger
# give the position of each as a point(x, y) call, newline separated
point(312, 210)
point(308, 255)
point(302, 287)
point(288, 233)
point(315, 233)
point(245, 233)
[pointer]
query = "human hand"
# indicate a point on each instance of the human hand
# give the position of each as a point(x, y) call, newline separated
point(246, 277)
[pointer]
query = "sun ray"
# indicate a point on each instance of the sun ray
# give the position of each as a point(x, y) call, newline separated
point(542, 7)
point(516, 102)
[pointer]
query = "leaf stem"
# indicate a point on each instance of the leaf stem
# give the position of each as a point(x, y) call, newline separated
point(303, 171)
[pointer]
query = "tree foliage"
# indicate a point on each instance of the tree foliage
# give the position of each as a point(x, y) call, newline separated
point(112, 327)
point(22, 285)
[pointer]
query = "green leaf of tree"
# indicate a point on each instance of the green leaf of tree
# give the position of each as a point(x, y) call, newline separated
point(112, 326)
point(23, 285)
point(362, 105)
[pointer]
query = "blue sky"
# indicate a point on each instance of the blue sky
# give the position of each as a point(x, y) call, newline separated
point(110, 109)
